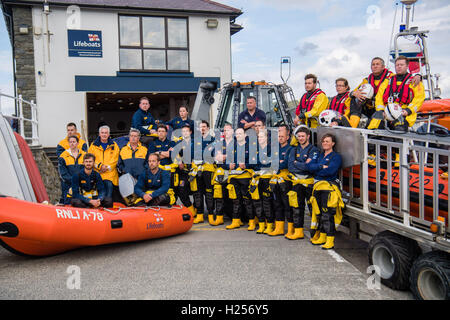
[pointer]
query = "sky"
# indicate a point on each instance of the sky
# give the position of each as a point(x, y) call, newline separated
point(330, 38)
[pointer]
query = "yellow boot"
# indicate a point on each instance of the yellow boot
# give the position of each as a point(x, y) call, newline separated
point(329, 244)
point(262, 226)
point(234, 224)
point(199, 218)
point(269, 228)
point(219, 220)
point(321, 240)
point(315, 233)
point(279, 229)
point(290, 231)
point(256, 220)
point(251, 225)
point(240, 222)
point(298, 234)
point(192, 211)
point(211, 220)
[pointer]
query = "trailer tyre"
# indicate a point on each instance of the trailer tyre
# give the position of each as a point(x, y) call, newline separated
point(394, 255)
point(430, 276)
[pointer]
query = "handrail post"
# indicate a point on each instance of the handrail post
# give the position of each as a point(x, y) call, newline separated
point(21, 119)
point(404, 182)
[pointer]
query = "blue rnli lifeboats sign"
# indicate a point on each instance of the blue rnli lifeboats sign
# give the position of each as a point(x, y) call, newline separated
point(85, 43)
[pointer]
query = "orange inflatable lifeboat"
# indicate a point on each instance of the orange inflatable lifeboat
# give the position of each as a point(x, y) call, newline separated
point(437, 106)
point(413, 189)
point(33, 229)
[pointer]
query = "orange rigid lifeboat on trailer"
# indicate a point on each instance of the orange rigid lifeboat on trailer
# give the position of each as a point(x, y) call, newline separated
point(414, 188)
point(34, 229)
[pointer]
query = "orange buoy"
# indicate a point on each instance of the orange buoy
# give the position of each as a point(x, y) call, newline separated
point(34, 229)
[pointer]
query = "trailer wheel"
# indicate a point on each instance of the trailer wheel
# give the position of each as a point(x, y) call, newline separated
point(430, 276)
point(394, 255)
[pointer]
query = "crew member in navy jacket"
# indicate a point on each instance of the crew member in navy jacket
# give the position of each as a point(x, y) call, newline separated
point(144, 121)
point(326, 169)
point(153, 184)
point(303, 180)
point(88, 189)
point(248, 118)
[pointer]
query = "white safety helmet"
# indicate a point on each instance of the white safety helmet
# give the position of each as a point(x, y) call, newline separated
point(326, 117)
point(298, 127)
point(367, 90)
point(393, 111)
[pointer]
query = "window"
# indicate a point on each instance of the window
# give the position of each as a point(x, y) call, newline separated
point(153, 43)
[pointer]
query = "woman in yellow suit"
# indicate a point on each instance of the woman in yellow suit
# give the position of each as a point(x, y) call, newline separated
point(106, 153)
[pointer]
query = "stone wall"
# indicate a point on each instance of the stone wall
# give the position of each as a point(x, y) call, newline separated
point(24, 58)
point(49, 174)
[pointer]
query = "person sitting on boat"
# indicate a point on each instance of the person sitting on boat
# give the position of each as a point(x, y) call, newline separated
point(64, 143)
point(205, 169)
point(340, 104)
point(312, 103)
point(133, 156)
point(398, 92)
point(326, 199)
point(144, 121)
point(248, 117)
point(224, 158)
point(282, 186)
point(106, 153)
point(362, 103)
point(69, 163)
point(239, 182)
point(302, 179)
point(153, 185)
point(88, 189)
point(162, 146)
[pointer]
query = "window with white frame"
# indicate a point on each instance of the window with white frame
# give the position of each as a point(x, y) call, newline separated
point(150, 43)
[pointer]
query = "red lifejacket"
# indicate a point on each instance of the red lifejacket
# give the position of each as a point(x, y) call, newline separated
point(306, 104)
point(339, 104)
point(402, 93)
point(371, 79)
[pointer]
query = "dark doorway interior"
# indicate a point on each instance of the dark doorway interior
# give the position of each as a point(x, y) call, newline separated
point(117, 109)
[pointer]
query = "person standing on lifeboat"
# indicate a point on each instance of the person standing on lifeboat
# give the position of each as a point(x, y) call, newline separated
point(312, 103)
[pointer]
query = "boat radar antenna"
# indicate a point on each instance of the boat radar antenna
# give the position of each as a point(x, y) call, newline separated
point(284, 61)
point(406, 31)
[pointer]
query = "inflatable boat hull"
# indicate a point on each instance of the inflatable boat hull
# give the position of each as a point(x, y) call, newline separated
point(34, 229)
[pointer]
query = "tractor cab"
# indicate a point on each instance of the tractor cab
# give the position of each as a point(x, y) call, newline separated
point(277, 101)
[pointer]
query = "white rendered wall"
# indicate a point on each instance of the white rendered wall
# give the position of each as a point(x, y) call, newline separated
point(59, 104)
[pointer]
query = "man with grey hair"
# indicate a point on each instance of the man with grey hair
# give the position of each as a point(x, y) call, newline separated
point(133, 156)
point(106, 153)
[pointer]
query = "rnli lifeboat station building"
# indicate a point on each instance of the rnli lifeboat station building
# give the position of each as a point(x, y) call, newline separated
point(89, 61)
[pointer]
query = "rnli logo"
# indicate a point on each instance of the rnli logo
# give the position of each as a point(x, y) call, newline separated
point(93, 37)
point(149, 180)
point(83, 181)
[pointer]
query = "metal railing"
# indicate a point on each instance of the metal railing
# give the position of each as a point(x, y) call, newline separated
point(402, 176)
point(32, 140)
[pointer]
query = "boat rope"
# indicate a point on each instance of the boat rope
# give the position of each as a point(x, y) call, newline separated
point(155, 208)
